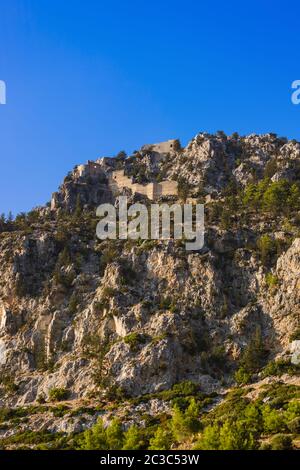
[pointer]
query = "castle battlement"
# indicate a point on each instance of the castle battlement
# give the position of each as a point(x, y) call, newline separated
point(162, 147)
point(118, 180)
point(89, 169)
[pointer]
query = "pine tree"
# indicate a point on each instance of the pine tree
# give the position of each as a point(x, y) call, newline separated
point(115, 435)
point(161, 440)
point(95, 438)
point(133, 439)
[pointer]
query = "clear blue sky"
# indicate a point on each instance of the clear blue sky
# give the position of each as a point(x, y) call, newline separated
point(87, 78)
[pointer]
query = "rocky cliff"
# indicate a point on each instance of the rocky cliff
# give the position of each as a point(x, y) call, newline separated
point(89, 322)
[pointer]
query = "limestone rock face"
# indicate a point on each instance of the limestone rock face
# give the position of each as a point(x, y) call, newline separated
point(92, 317)
point(154, 328)
point(284, 305)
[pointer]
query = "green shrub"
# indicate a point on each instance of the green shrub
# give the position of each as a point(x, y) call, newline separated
point(58, 394)
point(280, 367)
point(230, 436)
point(254, 354)
point(115, 393)
point(270, 168)
point(281, 442)
point(60, 410)
point(64, 279)
point(101, 438)
point(267, 248)
point(235, 436)
point(161, 440)
point(232, 408)
point(108, 255)
point(133, 439)
point(183, 424)
point(242, 376)
point(7, 380)
point(294, 425)
point(217, 357)
point(115, 435)
point(274, 421)
point(271, 280)
point(64, 258)
point(5, 414)
point(276, 195)
point(279, 390)
point(73, 304)
point(92, 345)
point(185, 388)
point(225, 220)
point(108, 293)
point(292, 410)
point(253, 194)
point(293, 201)
point(253, 419)
point(30, 438)
point(134, 340)
point(95, 438)
point(128, 274)
point(41, 399)
point(210, 438)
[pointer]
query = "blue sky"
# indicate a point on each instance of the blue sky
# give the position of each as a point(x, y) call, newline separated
point(87, 78)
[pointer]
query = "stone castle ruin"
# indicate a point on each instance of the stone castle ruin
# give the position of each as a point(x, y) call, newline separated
point(163, 147)
point(116, 180)
point(89, 169)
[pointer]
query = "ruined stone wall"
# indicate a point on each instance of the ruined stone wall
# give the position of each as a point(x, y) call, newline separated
point(151, 190)
point(120, 179)
point(169, 188)
point(89, 169)
point(161, 147)
point(164, 147)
